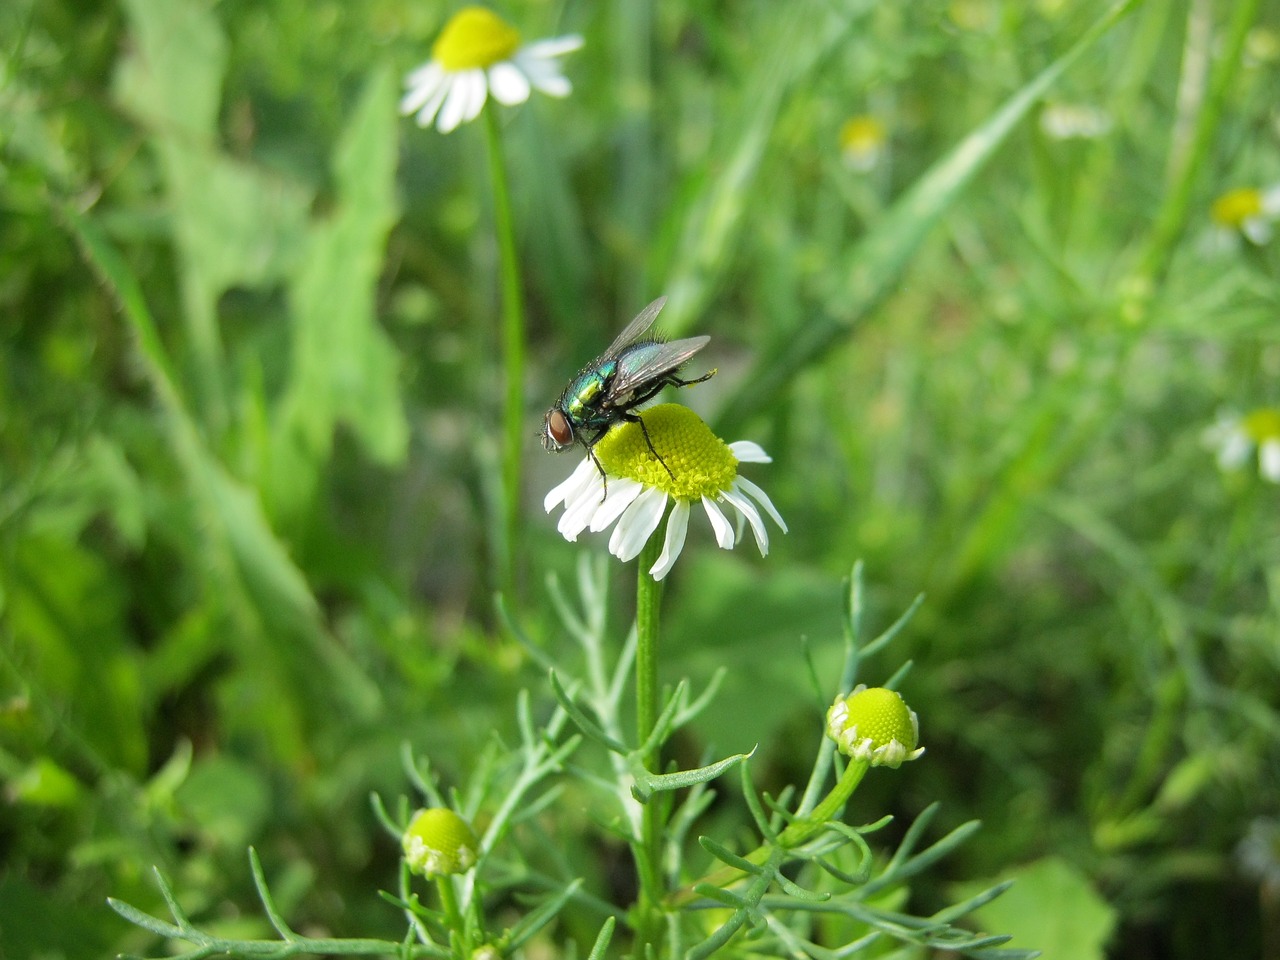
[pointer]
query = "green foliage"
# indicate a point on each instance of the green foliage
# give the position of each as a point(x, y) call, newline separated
point(250, 436)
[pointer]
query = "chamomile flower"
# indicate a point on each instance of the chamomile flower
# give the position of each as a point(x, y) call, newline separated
point(703, 471)
point(1235, 438)
point(875, 726)
point(439, 843)
point(1074, 121)
point(862, 143)
point(478, 54)
point(1250, 211)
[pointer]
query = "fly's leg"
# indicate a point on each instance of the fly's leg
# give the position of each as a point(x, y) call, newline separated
point(677, 382)
point(645, 430)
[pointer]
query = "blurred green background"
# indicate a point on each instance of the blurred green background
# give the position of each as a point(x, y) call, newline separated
point(249, 434)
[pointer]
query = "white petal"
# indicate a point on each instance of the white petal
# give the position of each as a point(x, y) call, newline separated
point(748, 451)
point(761, 498)
point(427, 115)
point(621, 493)
point(724, 531)
point(552, 46)
point(1257, 230)
point(422, 84)
point(637, 524)
point(579, 512)
point(1269, 460)
point(564, 492)
point(465, 100)
point(508, 85)
point(478, 92)
point(544, 74)
point(748, 509)
point(1234, 450)
point(677, 526)
point(1271, 201)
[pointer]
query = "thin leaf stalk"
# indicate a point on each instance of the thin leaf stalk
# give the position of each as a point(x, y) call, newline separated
point(796, 834)
point(649, 853)
point(513, 355)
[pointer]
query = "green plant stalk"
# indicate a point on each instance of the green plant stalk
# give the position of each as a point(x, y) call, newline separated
point(1187, 159)
point(513, 352)
point(453, 916)
point(799, 832)
point(649, 852)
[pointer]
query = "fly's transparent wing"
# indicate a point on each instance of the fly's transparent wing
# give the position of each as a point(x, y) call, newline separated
point(636, 328)
point(650, 361)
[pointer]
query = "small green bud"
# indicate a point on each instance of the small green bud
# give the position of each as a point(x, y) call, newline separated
point(439, 842)
point(874, 725)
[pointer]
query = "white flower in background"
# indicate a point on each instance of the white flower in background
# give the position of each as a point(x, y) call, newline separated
point(862, 142)
point(1074, 121)
point(703, 470)
point(1235, 438)
point(478, 54)
point(1250, 211)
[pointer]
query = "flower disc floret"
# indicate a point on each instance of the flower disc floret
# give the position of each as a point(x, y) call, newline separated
point(475, 38)
point(700, 463)
point(874, 725)
point(438, 842)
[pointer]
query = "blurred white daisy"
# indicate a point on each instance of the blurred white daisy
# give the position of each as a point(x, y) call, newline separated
point(1234, 438)
point(477, 54)
point(862, 142)
point(1250, 211)
point(1074, 121)
point(703, 469)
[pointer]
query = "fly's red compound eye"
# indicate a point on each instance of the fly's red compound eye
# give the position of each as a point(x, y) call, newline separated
point(559, 429)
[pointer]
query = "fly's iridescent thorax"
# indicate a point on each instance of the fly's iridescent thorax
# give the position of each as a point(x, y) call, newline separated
point(582, 397)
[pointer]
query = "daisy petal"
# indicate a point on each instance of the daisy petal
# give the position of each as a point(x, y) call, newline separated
point(423, 84)
point(748, 510)
point(1257, 230)
point(1233, 450)
point(553, 46)
point(427, 115)
point(761, 498)
point(677, 526)
point(461, 97)
point(637, 524)
point(508, 85)
point(621, 494)
point(1269, 460)
point(544, 74)
point(724, 531)
point(566, 491)
point(748, 451)
point(578, 513)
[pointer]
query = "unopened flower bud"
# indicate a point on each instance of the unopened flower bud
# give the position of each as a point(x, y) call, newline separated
point(439, 842)
point(874, 725)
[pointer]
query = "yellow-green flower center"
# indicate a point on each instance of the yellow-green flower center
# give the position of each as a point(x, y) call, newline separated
point(701, 464)
point(439, 842)
point(1234, 207)
point(1262, 424)
point(861, 135)
point(473, 39)
point(881, 716)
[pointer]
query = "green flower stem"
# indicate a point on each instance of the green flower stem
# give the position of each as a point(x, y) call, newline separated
point(512, 354)
point(1189, 155)
point(798, 833)
point(452, 913)
point(649, 854)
